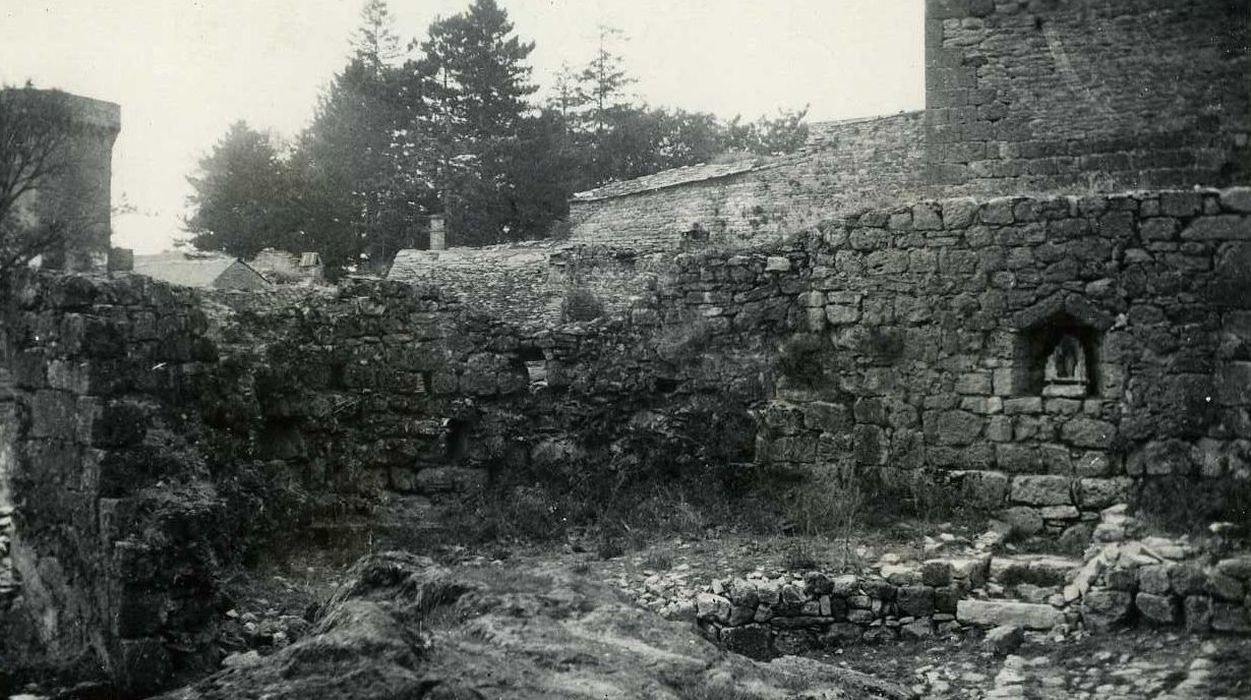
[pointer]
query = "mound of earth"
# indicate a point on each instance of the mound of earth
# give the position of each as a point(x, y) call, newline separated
point(404, 627)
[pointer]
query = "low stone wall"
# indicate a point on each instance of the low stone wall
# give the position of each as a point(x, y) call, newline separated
point(765, 617)
point(1153, 581)
point(1160, 582)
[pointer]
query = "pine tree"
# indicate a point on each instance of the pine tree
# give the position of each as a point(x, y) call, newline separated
point(604, 80)
point(475, 78)
point(375, 40)
point(479, 69)
point(362, 195)
point(242, 196)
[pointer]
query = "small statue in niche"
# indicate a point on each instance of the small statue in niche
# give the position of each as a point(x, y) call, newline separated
point(1065, 373)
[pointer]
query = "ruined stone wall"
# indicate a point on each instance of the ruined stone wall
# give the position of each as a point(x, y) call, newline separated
point(618, 278)
point(930, 327)
point(382, 387)
point(529, 283)
point(367, 388)
point(150, 425)
point(852, 164)
point(1087, 96)
point(104, 379)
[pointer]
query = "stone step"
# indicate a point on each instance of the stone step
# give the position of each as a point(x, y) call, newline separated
point(1038, 570)
point(992, 613)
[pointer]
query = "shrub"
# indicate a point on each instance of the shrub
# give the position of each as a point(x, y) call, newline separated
point(798, 556)
point(832, 503)
point(1180, 504)
point(800, 361)
point(560, 230)
point(658, 560)
point(581, 304)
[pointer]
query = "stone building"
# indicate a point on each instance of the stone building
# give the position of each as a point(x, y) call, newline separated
point(77, 191)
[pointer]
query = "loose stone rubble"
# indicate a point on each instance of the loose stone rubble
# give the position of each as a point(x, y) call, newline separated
point(1153, 582)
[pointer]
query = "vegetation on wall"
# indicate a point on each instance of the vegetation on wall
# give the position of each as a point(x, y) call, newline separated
point(581, 305)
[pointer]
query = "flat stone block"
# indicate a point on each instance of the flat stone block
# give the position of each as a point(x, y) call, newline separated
point(993, 613)
point(1218, 228)
point(1051, 490)
point(450, 479)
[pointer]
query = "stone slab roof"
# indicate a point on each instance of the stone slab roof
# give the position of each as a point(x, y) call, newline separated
point(201, 270)
point(820, 136)
point(667, 178)
point(411, 265)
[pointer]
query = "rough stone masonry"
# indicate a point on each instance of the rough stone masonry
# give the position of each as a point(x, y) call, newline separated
point(142, 425)
point(1021, 96)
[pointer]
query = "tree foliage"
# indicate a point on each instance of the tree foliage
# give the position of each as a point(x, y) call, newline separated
point(375, 40)
point(242, 195)
point(450, 127)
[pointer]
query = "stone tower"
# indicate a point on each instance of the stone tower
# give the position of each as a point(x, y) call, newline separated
point(1055, 95)
point(77, 192)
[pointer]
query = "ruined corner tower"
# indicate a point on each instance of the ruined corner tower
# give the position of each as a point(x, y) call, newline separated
point(76, 192)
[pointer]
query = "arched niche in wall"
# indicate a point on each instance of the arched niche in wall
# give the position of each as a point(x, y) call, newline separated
point(1058, 349)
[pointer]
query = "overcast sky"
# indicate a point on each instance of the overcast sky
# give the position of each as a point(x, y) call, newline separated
point(183, 70)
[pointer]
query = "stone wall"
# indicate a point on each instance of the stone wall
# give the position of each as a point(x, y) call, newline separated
point(111, 513)
point(155, 430)
point(1087, 96)
point(924, 333)
point(1122, 582)
point(1022, 96)
point(930, 329)
point(529, 283)
point(847, 165)
point(362, 389)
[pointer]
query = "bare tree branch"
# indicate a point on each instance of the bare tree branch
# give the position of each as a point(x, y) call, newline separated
point(34, 128)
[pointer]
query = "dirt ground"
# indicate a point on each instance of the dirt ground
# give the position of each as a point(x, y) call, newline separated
point(1131, 664)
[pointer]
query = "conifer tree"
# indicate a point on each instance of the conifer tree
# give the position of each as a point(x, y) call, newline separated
point(242, 196)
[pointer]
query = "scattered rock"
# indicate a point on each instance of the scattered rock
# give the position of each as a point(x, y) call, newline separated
point(1004, 639)
point(402, 626)
point(242, 660)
